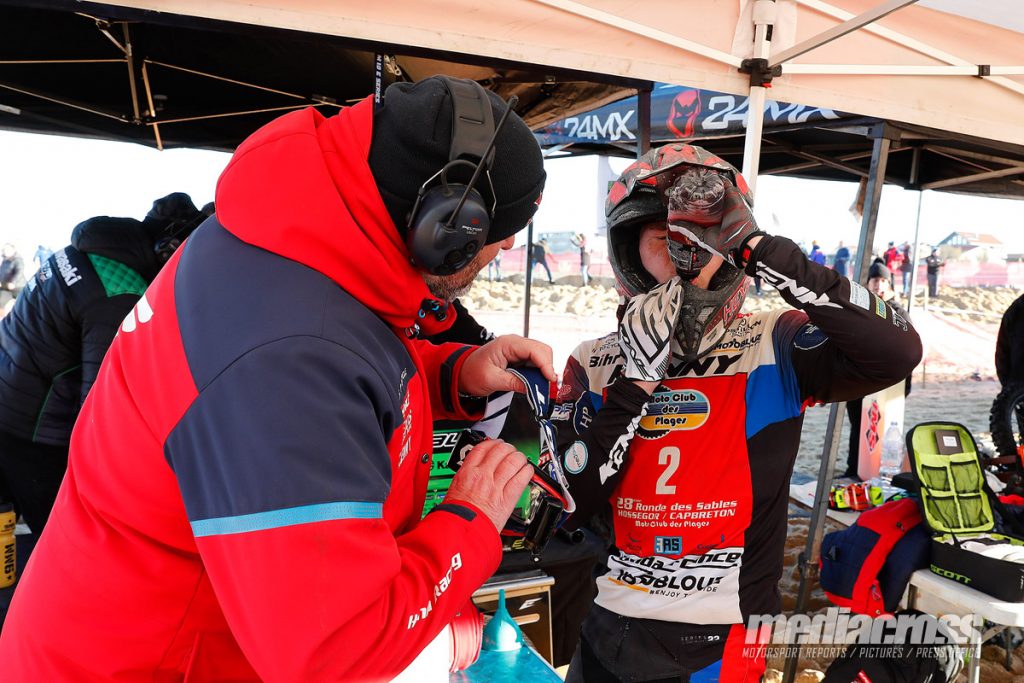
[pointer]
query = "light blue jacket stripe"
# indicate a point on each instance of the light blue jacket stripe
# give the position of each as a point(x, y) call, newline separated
point(258, 521)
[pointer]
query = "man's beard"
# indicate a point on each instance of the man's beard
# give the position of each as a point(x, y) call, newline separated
point(451, 287)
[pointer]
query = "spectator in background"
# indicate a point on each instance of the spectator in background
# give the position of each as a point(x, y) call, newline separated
point(539, 255)
point(816, 255)
point(842, 260)
point(879, 280)
point(893, 259)
point(12, 275)
point(52, 343)
point(933, 262)
point(580, 240)
point(41, 255)
point(494, 269)
point(907, 268)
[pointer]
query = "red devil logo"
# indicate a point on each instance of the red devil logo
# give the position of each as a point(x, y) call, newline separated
point(682, 114)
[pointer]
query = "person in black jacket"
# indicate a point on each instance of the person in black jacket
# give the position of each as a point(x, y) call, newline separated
point(1010, 344)
point(54, 339)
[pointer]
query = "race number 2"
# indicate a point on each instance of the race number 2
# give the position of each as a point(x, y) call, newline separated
point(668, 456)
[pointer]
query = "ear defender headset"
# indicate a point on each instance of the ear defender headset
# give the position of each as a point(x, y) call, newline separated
point(174, 234)
point(449, 221)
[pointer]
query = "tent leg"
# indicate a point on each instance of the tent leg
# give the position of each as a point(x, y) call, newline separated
point(809, 558)
point(529, 279)
point(643, 112)
point(915, 255)
point(873, 197)
point(755, 112)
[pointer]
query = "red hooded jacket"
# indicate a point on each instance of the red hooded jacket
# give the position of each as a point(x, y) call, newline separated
point(246, 479)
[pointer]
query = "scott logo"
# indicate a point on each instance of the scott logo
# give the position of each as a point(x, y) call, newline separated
point(951, 575)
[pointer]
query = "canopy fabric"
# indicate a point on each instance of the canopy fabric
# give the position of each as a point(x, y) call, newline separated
point(165, 80)
point(700, 43)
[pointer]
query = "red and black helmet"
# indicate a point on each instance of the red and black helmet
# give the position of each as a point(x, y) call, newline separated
point(637, 197)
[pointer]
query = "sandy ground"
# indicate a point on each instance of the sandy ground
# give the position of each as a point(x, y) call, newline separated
point(956, 381)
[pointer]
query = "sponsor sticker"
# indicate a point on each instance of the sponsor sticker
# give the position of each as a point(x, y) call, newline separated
point(668, 545)
point(576, 457)
point(859, 296)
point(880, 307)
point(809, 337)
point(671, 410)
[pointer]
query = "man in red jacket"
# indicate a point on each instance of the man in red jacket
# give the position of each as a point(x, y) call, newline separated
point(245, 487)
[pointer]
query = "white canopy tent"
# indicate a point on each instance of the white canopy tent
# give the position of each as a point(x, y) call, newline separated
point(936, 63)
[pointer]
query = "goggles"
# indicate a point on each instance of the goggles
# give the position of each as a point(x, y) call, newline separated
point(856, 497)
point(548, 503)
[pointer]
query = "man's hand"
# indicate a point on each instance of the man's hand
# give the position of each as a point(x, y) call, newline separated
point(726, 238)
point(645, 333)
point(492, 478)
point(485, 371)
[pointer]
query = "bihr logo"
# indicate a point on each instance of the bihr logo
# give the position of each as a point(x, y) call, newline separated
point(669, 410)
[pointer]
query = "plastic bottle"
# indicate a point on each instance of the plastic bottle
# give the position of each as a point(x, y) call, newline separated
point(8, 556)
point(502, 634)
point(892, 452)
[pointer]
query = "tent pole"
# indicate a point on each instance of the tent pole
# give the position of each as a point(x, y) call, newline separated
point(755, 102)
point(529, 279)
point(809, 558)
point(130, 58)
point(916, 252)
point(643, 112)
point(876, 178)
point(915, 170)
point(808, 562)
point(152, 109)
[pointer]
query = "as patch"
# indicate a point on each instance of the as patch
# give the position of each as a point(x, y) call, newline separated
point(809, 337)
point(575, 458)
point(859, 296)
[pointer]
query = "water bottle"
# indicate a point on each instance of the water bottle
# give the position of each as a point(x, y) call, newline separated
point(7, 548)
point(892, 452)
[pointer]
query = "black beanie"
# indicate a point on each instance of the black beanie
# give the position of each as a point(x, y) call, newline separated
point(412, 130)
point(878, 270)
point(167, 210)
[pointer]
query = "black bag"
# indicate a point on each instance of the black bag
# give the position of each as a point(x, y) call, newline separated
point(962, 512)
point(937, 662)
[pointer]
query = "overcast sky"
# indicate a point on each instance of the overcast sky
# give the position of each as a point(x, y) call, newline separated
point(50, 183)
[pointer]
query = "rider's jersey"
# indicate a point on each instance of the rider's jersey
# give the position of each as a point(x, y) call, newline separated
point(697, 474)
